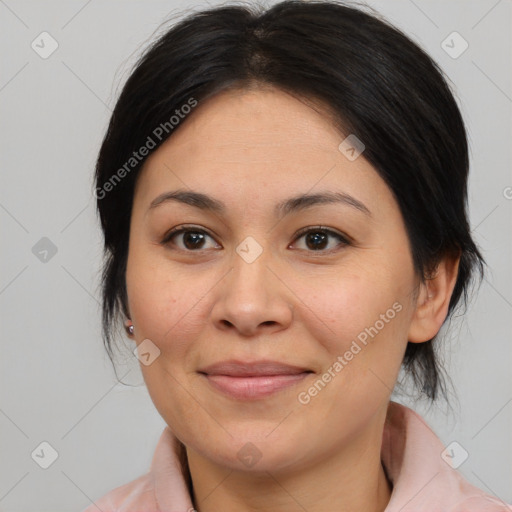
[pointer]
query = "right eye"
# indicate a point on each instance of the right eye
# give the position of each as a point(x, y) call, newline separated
point(192, 238)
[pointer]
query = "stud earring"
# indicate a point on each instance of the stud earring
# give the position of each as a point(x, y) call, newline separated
point(129, 329)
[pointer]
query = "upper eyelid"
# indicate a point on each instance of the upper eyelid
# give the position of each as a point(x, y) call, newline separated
point(180, 229)
point(331, 231)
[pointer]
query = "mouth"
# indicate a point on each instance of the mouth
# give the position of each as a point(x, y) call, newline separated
point(252, 380)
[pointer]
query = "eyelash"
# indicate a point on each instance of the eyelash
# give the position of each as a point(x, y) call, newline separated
point(344, 240)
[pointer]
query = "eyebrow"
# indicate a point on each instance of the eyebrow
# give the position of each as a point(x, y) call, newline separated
point(292, 204)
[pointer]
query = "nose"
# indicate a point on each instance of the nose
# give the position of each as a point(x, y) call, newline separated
point(252, 299)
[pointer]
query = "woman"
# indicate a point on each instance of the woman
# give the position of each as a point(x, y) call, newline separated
point(283, 199)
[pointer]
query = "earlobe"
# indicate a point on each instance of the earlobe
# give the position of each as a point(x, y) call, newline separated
point(433, 300)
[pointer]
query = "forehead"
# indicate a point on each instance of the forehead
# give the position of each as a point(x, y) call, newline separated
point(258, 144)
point(250, 122)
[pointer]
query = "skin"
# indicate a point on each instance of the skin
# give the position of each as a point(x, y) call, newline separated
point(252, 149)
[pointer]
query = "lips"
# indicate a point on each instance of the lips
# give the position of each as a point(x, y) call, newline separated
point(234, 368)
point(252, 380)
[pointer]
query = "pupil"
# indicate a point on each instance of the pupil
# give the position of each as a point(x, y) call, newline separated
point(315, 238)
point(194, 238)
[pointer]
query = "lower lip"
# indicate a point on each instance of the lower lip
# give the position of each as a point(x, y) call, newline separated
point(247, 388)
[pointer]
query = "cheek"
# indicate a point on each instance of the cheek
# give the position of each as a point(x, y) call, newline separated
point(167, 311)
point(169, 305)
point(154, 302)
point(362, 317)
point(339, 310)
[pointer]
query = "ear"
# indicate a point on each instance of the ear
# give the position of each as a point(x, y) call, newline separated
point(433, 300)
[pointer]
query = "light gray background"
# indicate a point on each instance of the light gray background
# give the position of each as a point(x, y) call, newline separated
point(57, 384)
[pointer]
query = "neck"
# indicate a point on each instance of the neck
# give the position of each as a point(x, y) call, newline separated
point(350, 479)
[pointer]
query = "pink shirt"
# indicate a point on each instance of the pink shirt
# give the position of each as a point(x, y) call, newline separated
point(411, 454)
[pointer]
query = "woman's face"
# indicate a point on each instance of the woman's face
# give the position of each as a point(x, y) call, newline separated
point(245, 283)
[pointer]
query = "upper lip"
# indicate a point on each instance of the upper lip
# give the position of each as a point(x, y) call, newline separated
point(237, 368)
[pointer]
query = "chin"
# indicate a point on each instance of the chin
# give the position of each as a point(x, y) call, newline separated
point(255, 452)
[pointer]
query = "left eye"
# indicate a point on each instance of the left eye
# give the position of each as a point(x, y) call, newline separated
point(317, 239)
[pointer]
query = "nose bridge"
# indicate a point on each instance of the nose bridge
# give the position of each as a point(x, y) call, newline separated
point(250, 275)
